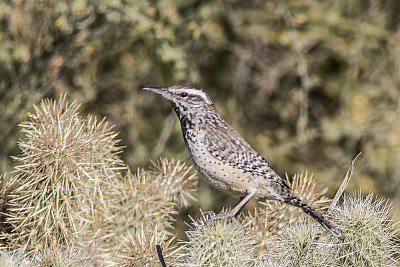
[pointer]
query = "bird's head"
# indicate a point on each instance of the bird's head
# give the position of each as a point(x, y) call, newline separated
point(186, 99)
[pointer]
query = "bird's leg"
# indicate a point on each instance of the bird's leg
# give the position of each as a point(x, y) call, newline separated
point(236, 210)
point(241, 208)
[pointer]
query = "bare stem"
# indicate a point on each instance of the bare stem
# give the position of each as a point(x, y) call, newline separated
point(345, 182)
point(302, 67)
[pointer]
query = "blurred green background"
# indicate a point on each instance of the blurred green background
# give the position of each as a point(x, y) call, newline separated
point(307, 83)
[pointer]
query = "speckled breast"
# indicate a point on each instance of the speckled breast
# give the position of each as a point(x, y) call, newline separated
point(217, 173)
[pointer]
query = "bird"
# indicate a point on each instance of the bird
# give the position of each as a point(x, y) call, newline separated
point(225, 159)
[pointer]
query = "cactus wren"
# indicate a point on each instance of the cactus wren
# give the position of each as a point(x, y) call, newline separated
point(224, 158)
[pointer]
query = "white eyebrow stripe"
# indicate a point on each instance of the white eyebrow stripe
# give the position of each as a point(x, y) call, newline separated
point(199, 93)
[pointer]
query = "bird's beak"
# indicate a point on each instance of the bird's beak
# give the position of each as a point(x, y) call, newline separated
point(159, 90)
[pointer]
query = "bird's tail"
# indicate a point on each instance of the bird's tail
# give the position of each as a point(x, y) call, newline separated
point(295, 201)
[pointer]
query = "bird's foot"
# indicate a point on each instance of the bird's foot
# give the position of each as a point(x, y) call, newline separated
point(225, 215)
point(229, 215)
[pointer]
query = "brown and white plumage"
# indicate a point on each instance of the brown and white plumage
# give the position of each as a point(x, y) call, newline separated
point(224, 158)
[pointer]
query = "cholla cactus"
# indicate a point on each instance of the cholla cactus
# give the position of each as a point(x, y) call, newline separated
point(217, 243)
point(370, 238)
point(70, 190)
point(6, 194)
point(13, 258)
point(142, 204)
point(370, 233)
point(148, 201)
point(178, 181)
point(139, 249)
point(68, 178)
point(296, 246)
point(60, 257)
point(48, 258)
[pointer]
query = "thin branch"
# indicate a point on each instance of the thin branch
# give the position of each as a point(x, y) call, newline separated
point(165, 133)
point(345, 182)
point(303, 72)
point(335, 200)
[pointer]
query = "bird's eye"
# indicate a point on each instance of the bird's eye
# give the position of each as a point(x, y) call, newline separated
point(184, 94)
